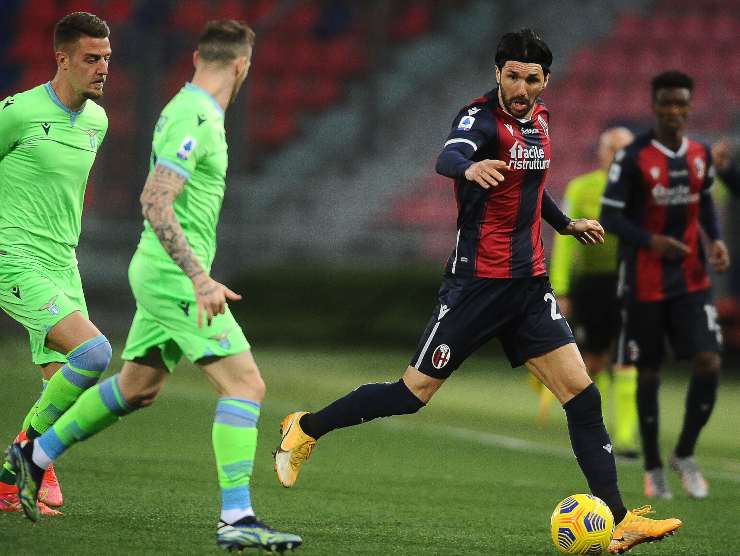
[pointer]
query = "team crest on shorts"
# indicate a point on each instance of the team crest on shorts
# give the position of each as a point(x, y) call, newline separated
point(51, 306)
point(441, 356)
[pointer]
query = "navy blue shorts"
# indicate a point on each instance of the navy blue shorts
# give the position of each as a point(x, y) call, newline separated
point(521, 312)
point(689, 322)
point(595, 311)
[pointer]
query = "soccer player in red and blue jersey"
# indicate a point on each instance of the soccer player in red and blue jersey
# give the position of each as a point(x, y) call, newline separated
point(657, 198)
point(496, 285)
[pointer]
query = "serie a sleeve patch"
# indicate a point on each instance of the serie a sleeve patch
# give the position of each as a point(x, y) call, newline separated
point(186, 148)
point(466, 123)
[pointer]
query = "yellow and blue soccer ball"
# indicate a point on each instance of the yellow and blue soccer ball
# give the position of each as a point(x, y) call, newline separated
point(582, 524)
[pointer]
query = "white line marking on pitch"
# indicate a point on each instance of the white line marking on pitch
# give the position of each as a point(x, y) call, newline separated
point(522, 445)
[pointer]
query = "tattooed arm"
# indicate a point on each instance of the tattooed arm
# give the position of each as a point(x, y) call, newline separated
point(161, 189)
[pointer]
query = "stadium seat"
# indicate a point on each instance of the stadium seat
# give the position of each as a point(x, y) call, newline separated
point(414, 20)
point(343, 57)
point(271, 130)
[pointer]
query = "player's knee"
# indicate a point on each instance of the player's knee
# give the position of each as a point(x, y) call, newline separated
point(144, 396)
point(93, 355)
point(246, 384)
point(707, 363)
point(406, 400)
point(648, 376)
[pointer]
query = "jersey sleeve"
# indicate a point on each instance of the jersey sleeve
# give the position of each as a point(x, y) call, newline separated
point(183, 144)
point(10, 125)
point(624, 177)
point(561, 264)
point(472, 128)
point(707, 212)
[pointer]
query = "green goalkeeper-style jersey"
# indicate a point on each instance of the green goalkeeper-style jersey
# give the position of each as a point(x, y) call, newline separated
point(190, 139)
point(569, 257)
point(46, 152)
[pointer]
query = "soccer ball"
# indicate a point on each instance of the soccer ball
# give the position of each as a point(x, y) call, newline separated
point(582, 524)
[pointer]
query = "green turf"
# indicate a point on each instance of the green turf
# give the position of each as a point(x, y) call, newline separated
point(451, 480)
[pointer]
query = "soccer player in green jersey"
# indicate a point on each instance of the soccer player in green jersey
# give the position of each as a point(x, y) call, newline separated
point(49, 136)
point(181, 310)
point(586, 283)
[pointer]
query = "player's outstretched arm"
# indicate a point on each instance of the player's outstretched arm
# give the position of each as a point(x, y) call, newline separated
point(588, 232)
point(161, 189)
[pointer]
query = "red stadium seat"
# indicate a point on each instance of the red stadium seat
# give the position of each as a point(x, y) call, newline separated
point(231, 9)
point(189, 15)
point(272, 130)
point(117, 11)
point(300, 21)
point(322, 93)
point(259, 9)
point(31, 46)
point(414, 21)
point(628, 26)
point(343, 57)
point(40, 14)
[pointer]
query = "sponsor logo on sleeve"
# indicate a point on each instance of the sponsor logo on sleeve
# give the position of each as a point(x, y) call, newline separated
point(186, 148)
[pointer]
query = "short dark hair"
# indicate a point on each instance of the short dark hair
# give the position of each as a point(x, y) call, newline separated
point(76, 25)
point(223, 40)
point(672, 80)
point(524, 46)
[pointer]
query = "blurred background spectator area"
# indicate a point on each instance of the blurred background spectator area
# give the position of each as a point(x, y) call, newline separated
point(333, 140)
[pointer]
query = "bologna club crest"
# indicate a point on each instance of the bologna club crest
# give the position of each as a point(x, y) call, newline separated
point(441, 356)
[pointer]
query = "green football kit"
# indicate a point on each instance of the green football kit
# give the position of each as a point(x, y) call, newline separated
point(46, 152)
point(570, 258)
point(189, 138)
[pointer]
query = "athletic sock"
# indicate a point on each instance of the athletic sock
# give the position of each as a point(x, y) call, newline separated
point(84, 366)
point(593, 449)
point(603, 381)
point(234, 443)
point(624, 395)
point(96, 409)
point(647, 407)
point(368, 402)
point(7, 475)
point(700, 400)
point(32, 411)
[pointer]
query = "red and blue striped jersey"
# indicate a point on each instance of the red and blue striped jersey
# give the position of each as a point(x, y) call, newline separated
point(653, 190)
point(498, 229)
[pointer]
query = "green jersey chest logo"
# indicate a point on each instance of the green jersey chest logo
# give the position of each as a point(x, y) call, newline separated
point(93, 135)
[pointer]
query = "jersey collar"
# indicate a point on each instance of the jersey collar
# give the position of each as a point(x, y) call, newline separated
point(55, 99)
point(194, 88)
point(668, 152)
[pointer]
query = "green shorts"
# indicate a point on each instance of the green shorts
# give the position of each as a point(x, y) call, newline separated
point(167, 317)
point(39, 298)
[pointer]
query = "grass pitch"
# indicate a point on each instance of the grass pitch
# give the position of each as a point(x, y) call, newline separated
point(469, 474)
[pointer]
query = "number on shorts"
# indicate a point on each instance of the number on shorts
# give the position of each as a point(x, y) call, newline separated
point(712, 323)
point(553, 306)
